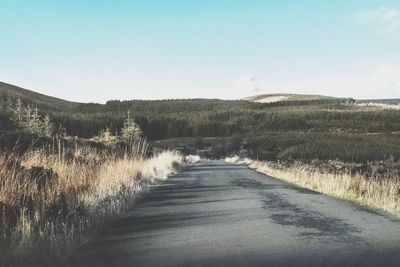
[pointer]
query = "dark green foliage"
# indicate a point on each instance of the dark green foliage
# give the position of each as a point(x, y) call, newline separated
point(319, 128)
point(208, 118)
point(5, 121)
point(326, 146)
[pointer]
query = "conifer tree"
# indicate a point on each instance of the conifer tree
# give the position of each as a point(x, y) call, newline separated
point(130, 132)
point(47, 127)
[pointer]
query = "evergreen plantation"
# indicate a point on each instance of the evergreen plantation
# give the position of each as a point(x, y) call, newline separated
point(331, 128)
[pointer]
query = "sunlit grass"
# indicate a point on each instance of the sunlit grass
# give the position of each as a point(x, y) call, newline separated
point(50, 200)
point(374, 191)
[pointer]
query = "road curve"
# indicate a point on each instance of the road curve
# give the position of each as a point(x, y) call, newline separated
point(219, 214)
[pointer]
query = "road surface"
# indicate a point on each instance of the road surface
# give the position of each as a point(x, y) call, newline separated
point(219, 214)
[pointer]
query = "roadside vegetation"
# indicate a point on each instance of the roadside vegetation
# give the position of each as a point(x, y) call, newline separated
point(376, 186)
point(56, 190)
point(50, 200)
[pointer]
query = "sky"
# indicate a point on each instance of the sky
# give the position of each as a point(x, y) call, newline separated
point(94, 51)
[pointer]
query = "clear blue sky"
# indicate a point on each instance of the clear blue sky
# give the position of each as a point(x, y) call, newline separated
point(101, 50)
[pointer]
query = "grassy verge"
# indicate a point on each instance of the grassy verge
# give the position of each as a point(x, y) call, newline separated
point(373, 188)
point(50, 201)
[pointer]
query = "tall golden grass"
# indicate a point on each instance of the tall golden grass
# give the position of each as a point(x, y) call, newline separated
point(374, 191)
point(49, 200)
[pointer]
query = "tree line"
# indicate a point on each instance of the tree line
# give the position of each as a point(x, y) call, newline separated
point(161, 119)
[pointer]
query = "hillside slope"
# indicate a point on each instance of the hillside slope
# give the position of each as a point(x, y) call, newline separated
point(12, 92)
point(271, 98)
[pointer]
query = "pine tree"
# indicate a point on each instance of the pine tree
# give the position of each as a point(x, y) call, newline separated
point(26, 122)
point(61, 131)
point(29, 120)
point(47, 127)
point(35, 122)
point(130, 132)
point(18, 110)
point(107, 138)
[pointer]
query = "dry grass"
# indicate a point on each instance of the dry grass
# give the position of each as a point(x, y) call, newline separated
point(374, 191)
point(51, 200)
point(190, 159)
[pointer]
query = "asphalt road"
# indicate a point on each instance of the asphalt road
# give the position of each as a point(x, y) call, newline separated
point(219, 214)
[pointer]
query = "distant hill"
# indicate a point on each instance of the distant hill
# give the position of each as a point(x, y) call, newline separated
point(12, 92)
point(393, 101)
point(271, 98)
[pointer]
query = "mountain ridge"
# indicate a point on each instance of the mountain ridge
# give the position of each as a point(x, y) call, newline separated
point(40, 99)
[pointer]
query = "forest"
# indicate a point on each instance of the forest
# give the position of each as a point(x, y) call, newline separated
point(331, 128)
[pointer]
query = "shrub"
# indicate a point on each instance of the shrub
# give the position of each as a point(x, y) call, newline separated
point(49, 198)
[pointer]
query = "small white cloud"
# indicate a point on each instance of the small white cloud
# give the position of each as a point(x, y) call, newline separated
point(246, 83)
point(386, 20)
